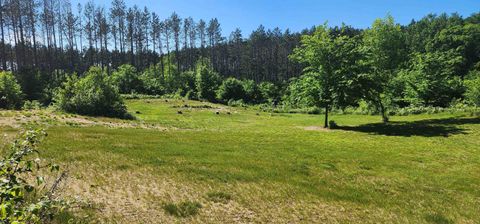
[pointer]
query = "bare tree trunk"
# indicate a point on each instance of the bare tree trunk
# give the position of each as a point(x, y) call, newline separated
point(4, 56)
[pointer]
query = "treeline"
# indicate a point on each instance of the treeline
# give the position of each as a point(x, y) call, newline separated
point(51, 35)
point(434, 62)
point(430, 62)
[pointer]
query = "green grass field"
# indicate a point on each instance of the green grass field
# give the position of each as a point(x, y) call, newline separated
point(242, 165)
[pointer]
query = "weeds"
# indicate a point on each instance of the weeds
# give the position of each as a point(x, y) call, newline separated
point(184, 209)
point(219, 197)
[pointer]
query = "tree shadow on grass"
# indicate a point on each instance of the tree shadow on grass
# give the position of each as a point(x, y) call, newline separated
point(426, 128)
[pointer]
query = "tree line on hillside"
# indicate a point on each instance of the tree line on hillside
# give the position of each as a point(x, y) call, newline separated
point(48, 46)
point(50, 35)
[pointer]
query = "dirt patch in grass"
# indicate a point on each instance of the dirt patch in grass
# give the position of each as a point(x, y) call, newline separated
point(8, 122)
point(315, 128)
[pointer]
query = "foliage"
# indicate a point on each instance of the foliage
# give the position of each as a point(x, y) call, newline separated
point(473, 88)
point(269, 92)
point(152, 82)
point(206, 81)
point(304, 91)
point(252, 92)
point(93, 94)
point(185, 84)
point(385, 50)
point(31, 82)
point(432, 80)
point(11, 96)
point(231, 89)
point(25, 197)
point(31, 105)
point(332, 78)
point(127, 79)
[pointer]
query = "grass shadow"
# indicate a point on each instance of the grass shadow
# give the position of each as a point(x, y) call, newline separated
point(426, 128)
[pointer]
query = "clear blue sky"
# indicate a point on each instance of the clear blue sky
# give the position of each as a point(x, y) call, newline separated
point(299, 14)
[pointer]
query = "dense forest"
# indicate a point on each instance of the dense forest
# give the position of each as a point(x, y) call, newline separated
point(46, 44)
point(51, 35)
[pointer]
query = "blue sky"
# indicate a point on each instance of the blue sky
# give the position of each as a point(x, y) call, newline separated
point(299, 14)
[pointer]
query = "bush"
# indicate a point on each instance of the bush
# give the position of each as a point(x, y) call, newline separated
point(206, 81)
point(11, 96)
point(126, 78)
point(92, 95)
point(25, 197)
point(185, 84)
point(473, 89)
point(252, 93)
point(231, 89)
point(151, 81)
point(31, 105)
point(268, 92)
point(31, 81)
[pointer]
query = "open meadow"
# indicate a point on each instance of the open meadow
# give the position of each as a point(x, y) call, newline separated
point(242, 165)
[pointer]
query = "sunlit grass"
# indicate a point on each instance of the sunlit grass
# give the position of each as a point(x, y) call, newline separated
point(421, 168)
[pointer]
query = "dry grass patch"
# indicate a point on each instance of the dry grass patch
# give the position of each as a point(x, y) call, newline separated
point(315, 128)
point(144, 196)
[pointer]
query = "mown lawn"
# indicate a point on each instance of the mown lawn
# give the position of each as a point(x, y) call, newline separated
point(274, 167)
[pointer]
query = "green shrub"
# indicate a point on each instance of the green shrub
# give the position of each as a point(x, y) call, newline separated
point(31, 105)
point(31, 81)
point(473, 89)
point(231, 89)
point(24, 194)
point(252, 93)
point(268, 92)
point(126, 78)
point(11, 96)
point(183, 209)
point(206, 81)
point(93, 95)
point(185, 84)
point(152, 81)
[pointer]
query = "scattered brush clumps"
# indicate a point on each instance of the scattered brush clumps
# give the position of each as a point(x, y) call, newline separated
point(219, 197)
point(183, 209)
point(203, 106)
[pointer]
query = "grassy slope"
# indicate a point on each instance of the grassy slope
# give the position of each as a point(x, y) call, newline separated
point(423, 168)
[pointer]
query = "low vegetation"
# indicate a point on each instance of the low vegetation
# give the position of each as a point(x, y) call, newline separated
point(246, 165)
point(11, 96)
point(92, 95)
point(327, 125)
point(219, 197)
point(25, 197)
point(183, 209)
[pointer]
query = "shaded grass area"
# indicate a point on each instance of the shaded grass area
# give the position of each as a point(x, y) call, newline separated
point(426, 128)
point(421, 168)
